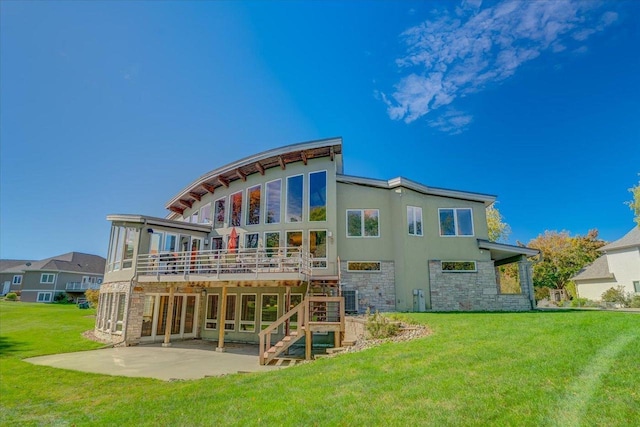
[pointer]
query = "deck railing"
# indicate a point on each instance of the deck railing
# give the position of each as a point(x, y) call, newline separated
point(78, 286)
point(225, 261)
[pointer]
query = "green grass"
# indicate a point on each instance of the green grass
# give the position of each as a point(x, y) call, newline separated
point(547, 368)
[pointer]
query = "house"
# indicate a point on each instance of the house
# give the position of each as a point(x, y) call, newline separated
point(41, 281)
point(619, 265)
point(284, 241)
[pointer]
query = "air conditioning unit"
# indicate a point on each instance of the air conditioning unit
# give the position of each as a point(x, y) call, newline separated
point(350, 301)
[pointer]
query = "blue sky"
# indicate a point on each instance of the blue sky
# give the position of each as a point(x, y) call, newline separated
point(113, 107)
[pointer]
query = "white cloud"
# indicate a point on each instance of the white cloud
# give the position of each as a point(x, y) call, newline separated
point(459, 53)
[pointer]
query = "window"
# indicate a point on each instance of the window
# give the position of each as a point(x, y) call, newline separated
point(248, 313)
point(194, 217)
point(127, 261)
point(268, 310)
point(17, 279)
point(253, 205)
point(219, 214)
point(274, 190)
point(170, 243)
point(363, 266)
point(44, 296)
point(121, 249)
point(456, 222)
point(47, 278)
point(363, 223)
point(155, 243)
point(216, 243)
point(293, 301)
point(211, 321)
point(318, 246)
point(458, 266)
point(272, 242)
point(294, 198)
point(251, 240)
point(636, 286)
point(236, 243)
point(230, 315)
point(205, 214)
point(147, 315)
point(236, 209)
point(120, 316)
point(318, 196)
point(414, 220)
point(294, 241)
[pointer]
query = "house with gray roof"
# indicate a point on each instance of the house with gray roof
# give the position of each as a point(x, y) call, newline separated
point(619, 265)
point(41, 281)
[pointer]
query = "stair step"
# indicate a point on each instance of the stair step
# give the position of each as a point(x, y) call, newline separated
point(271, 350)
point(346, 343)
point(279, 344)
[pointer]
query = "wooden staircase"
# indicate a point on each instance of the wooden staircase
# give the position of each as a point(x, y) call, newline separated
point(314, 314)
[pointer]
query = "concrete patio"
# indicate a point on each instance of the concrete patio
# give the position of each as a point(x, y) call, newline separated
point(184, 360)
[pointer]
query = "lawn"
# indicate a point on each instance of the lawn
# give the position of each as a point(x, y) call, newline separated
point(541, 368)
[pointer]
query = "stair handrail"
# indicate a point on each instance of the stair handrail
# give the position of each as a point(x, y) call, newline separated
point(265, 334)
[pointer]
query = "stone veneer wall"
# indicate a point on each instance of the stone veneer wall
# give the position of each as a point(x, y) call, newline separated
point(376, 290)
point(473, 291)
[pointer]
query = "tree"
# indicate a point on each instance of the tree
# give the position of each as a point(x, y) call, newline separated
point(498, 229)
point(634, 204)
point(563, 256)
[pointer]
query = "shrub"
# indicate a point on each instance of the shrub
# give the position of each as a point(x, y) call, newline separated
point(380, 327)
point(92, 295)
point(582, 302)
point(616, 295)
point(541, 292)
point(635, 301)
point(11, 296)
point(62, 298)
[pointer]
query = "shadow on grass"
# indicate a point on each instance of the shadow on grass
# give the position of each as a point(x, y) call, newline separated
point(8, 347)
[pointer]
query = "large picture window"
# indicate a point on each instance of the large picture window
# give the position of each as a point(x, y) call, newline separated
point(294, 198)
point(274, 191)
point(121, 249)
point(236, 209)
point(272, 242)
point(414, 220)
point(205, 214)
point(318, 196)
point(456, 222)
point(219, 213)
point(294, 241)
point(253, 205)
point(248, 313)
point(318, 247)
point(230, 315)
point(363, 223)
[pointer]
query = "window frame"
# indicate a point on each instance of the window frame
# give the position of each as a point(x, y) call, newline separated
point(350, 270)
point(47, 294)
point(286, 237)
point(210, 320)
point(309, 210)
point(286, 207)
point(231, 208)
point(16, 282)
point(268, 250)
point(267, 204)
point(322, 261)
point(636, 286)
point(47, 282)
point(216, 212)
point(203, 218)
point(474, 270)
point(251, 323)
point(266, 323)
point(248, 204)
point(362, 223)
point(455, 222)
point(227, 321)
point(414, 210)
point(246, 240)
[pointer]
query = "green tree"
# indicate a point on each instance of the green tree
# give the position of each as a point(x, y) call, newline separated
point(563, 256)
point(634, 204)
point(498, 229)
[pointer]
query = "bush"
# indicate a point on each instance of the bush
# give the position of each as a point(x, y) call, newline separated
point(616, 295)
point(635, 301)
point(541, 292)
point(11, 296)
point(380, 327)
point(92, 295)
point(582, 302)
point(62, 298)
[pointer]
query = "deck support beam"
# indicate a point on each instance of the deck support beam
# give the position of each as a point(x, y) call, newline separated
point(169, 319)
point(222, 319)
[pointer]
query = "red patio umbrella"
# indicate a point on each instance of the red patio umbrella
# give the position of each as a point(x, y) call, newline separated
point(233, 240)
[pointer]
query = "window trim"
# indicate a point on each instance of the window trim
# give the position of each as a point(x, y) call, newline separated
point(16, 282)
point(253, 322)
point(475, 266)
point(202, 220)
point(266, 202)
point(248, 205)
point(246, 237)
point(415, 209)
point(235, 313)
point(326, 185)
point(49, 294)
point(362, 226)
point(325, 259)
point(265, 240)
point(42, 278)
point(286, 201)
point(207, 319)
point(364, 271)
point(215, 212)
point(265, 324)
point(455, 223)
point(241, 214)
point(286, 241)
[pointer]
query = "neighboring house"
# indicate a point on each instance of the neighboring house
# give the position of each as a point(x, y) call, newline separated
point(11, 274)
point(619, 265)
point(246, 242)
point(40, 281)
